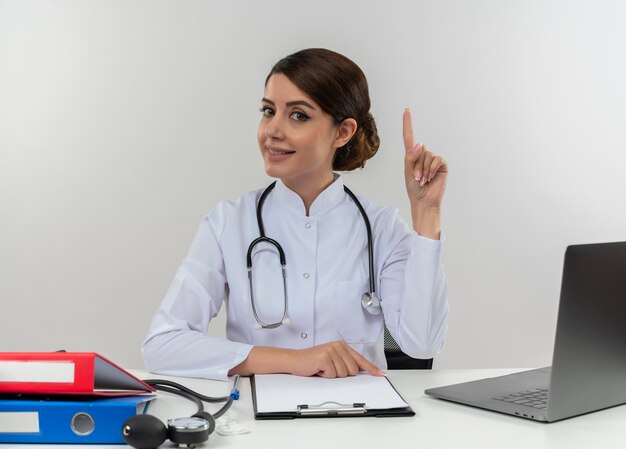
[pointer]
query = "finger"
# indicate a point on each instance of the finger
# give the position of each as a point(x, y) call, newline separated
point(438, 165)
point(328, 370)
point(407, 131)
point(419, 166)
point(351, 365)
point(341, 370)
point(366, 365)
point(426, 162)
point(411, 170)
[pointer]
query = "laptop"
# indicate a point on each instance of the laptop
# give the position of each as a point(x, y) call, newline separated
point(588, 371)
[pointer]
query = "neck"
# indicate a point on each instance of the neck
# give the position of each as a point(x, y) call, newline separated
point(308, 190)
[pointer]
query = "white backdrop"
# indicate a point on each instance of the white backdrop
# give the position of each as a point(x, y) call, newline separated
point(123, 122)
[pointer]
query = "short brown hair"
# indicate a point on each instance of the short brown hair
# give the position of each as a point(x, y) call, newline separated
point(339, 86)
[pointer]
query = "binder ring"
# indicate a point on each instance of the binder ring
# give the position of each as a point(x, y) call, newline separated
point(82, 424)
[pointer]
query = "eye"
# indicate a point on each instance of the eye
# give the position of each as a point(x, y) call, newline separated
point(266, 111)
point(299, 116)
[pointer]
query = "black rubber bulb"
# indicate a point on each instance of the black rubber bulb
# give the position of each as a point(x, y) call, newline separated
point(144, 431)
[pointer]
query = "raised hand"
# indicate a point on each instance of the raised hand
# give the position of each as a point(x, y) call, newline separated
point(425, 173)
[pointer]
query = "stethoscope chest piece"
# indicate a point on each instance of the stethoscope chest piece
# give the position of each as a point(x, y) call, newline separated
point(371, 303)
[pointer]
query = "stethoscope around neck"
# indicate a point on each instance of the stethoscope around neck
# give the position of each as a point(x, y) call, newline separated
point(369, 300)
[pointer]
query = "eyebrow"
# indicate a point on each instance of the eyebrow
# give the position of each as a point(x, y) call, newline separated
point(291, 103)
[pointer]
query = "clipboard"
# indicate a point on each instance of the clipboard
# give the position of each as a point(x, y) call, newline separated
point(283, 396)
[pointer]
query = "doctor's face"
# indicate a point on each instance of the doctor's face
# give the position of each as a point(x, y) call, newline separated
point(296, 138)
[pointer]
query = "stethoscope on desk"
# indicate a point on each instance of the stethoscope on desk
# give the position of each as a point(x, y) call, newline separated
point(145, 431)
point(369, 300)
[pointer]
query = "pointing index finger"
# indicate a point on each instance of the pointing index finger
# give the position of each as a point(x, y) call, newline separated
point(407, 130)
point(367, 366)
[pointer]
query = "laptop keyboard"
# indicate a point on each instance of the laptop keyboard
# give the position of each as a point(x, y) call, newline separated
point(537, 398)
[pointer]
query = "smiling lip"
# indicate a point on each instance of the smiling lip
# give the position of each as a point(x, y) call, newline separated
point(277, 154)
point(279, 151)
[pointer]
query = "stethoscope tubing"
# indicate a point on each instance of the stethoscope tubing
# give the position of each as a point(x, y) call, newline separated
point(370, 245)
point(281, 254)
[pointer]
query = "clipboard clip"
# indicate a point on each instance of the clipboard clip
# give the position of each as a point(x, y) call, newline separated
point(358, 408)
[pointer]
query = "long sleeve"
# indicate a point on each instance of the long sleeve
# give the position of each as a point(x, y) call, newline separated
point(414, 293)
point(177, 343)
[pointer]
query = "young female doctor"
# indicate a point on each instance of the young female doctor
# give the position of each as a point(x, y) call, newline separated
point(347, 263)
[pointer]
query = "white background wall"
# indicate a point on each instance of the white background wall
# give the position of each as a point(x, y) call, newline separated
point(123, 122)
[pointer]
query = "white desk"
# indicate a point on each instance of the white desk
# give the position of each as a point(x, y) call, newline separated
point(437, 424)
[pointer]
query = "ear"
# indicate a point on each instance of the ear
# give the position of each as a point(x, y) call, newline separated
point(345, 131)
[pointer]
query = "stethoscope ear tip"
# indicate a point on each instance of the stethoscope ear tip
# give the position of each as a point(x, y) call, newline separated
point(257, 327)
point(286, 321)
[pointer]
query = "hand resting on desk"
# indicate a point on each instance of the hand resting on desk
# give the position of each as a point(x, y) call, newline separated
point(334, 359)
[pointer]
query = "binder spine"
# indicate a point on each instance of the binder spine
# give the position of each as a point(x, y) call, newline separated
point(90, 422)
point(65, 373)
point(80, 380)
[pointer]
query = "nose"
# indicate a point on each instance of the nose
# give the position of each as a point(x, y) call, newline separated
point(272, 128)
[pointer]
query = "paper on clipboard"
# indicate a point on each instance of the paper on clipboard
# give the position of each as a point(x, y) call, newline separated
point(284, 392)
